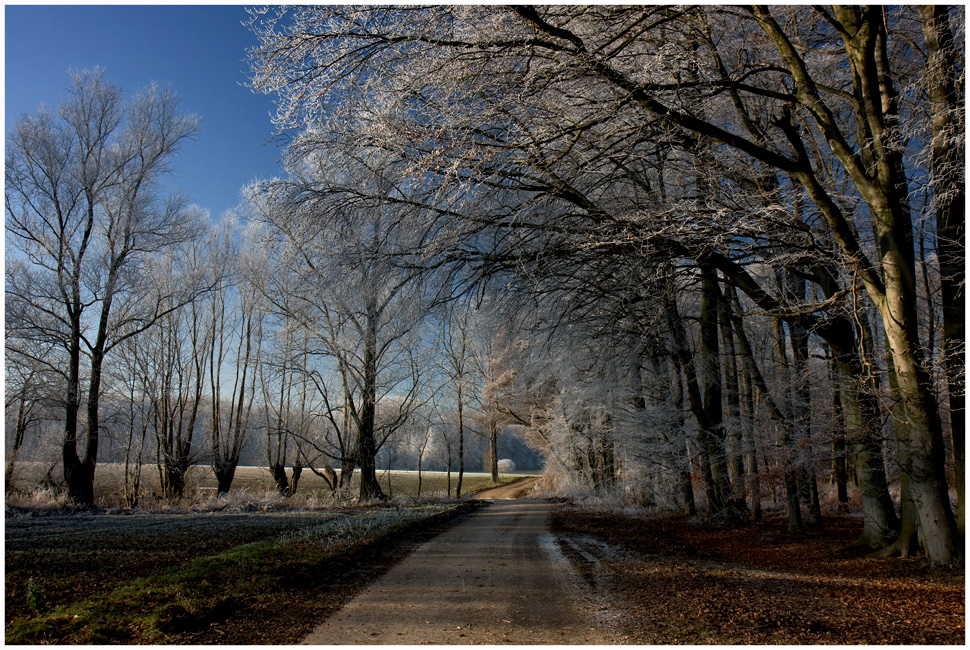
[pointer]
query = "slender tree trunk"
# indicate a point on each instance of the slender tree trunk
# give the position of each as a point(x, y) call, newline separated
point(493, 448)
point(747, 369)
point(681, 453)
point(800, 411)
point(20, 429)
point(710, 375)
point(789, 462)
point(839, 462)
point(295, 474)
point(702, 406)
point(461, 444)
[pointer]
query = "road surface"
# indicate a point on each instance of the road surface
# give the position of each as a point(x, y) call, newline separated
point(497, 577)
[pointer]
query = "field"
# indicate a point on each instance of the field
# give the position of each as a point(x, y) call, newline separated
point(72, 576)
point(249, 483)
point(170, 574)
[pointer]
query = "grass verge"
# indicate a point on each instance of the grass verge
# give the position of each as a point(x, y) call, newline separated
point(160, 607)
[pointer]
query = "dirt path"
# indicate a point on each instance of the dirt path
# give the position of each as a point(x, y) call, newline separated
point(515, 490)
point(495, 578)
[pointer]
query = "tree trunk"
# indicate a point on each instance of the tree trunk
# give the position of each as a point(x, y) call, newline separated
point(461, 443)
point(860, 415)
point(681, 453)
point(80, 486)
point(948, 178)
point(225, 472)
point(747, 369)
point(370, 488)
point(493, 448)
point(732, 394)
point(800, 411)
point(295, 474)
point(278, 470)
point(709, 373)
point(840, 471)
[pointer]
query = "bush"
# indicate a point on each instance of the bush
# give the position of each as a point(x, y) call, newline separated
point(506, 466)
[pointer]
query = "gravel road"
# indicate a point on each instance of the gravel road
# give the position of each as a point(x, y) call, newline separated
point(495, 578)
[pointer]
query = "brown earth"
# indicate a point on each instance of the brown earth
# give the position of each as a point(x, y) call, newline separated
point(669, 580)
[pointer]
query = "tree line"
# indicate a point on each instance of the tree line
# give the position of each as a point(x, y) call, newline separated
point(718, 247)
point(134, 321)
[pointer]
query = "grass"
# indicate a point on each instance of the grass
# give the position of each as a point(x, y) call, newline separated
point(155, 608)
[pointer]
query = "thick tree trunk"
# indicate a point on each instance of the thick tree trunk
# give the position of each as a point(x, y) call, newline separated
point(370, 488)
point(860, 418)
point(278, 470)
point(225, 472)
point(948, 177)
point(175, 471)
point(80, 487)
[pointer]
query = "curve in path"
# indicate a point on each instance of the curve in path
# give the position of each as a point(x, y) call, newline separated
point(515, 490)
point(496, 577)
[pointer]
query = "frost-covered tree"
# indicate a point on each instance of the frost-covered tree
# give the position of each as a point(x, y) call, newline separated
point(580, 147)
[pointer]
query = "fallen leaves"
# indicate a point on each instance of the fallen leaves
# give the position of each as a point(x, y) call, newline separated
point(681, 582)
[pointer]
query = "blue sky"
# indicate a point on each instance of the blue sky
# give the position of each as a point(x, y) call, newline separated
point(199, 50)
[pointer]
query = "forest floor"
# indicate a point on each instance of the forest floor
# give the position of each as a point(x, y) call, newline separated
point(650, 580)
point(673, 581)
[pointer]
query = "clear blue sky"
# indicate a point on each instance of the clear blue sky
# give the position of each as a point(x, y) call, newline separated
point(199, 50)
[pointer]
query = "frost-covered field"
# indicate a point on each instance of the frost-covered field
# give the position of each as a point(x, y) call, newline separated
point(66, 557)
point(251, 484)
point(54, 559)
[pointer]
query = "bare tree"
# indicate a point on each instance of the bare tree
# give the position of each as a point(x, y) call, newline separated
point(338, 247)
point(236, 336)
point(83, 211)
